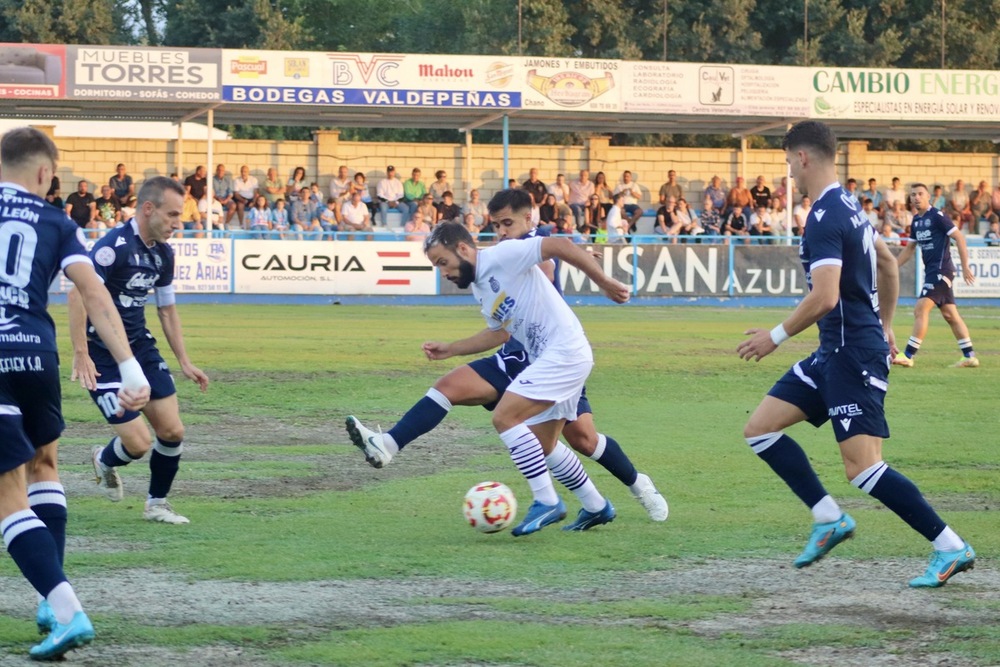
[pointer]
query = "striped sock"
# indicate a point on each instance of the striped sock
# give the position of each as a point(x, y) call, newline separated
point(791, 464)
point(610, 455)
point(163, 465)
point(902, 496)
point(568, 471)
point(965, 345)
point(912, 347)
point(32, 548)
point(114, 454)
point(48, 502)
point(526, 452)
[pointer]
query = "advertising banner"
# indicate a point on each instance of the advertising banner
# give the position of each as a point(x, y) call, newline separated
point(904, 94)
point(32, 71)
point(369, 79)
point(331, 267)
point(690, 88)
point(571, 83)
point(134, 73)
point(202, 266)
point(985, 264)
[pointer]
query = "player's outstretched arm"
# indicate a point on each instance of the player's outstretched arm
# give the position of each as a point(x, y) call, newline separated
point(963, 255)
point(888, 290)
point(93, 299)
point(171, 323)
point(487, 339)
point(569, 252)
point(818, 302)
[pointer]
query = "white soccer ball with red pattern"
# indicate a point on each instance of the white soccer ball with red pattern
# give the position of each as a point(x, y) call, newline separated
point(489, 507)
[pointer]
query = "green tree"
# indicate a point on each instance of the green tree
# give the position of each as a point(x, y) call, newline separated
point(256, 24)
point(61, 22)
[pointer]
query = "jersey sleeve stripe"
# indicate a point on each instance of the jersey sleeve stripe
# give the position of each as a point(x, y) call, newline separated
point(75, 259)
point(830, 261)
point(952, 231)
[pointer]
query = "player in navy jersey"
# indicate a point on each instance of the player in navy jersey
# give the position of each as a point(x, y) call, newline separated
point(132, 259)
point(483, 381)
point(933, 232)
point(36, 240)
point(853, 285)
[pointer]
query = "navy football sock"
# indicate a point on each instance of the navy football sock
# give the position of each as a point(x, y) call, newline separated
point(163, 465)
point(791, 464)
point(48, 501)
point(32, 548)
point(610, 455)
point(422, 418)
point(902, 496)
point(114, 454)
point(912, 346)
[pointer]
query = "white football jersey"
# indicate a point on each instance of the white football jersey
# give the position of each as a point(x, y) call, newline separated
point(516, 296)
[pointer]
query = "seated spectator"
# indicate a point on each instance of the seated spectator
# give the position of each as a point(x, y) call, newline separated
point(898, 217)
point(258, 216)
point(938, 200)
point(340, 185)
point(667, 224)
point(579, 194)
point(355, 215)
point(739, 197)
point(390, 195)
point(222, 190)
point(80, 206)
point(413, 192)
point(799, 215)
point(245, 193)
point(873, 193)
point(360, 185)
point(316, 194)
point(428, 211)
point(559, 190)
point(736, 224)
point(690, 224)
point(631, 194)
point(593, 215)
point(781, 192)
point(449, 211)
point(760, 225)
point(761, 194)
point(211, 220)
point(603, 191)
point(197, 183)
point(547, 211)
point(852, 189)
point(718, 196)
point(980, 204)
point(297, 181)
point(869, 210)
point(279, 218)
point(778, 214)
point(328, 215)
point(191, 217)
point(128, 208)
point(109, 211)
point(709, 218)
point(476, 213)
point(992, 235)
point(894, 194)
point(121, 184)
point(889, 234)
point(566, 227)
point(417, 229)
point(601, 235)
point(303, 215)
point(535, 187)
point(616, 224)
point(439, 187)
point(52, 196)
point(273, 189)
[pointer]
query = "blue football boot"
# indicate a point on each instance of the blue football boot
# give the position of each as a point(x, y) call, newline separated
point(78, 632)
point(944, 565)
point(539, 516)
point(586, 520)
point(825, 536)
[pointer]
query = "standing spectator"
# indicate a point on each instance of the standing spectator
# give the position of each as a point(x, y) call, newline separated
point(302, 214)
point(631, 194)
point(761, 194)
point(355, 215)
point(293, 188)
point(799, 215)
point(360, 185)
point(121, 184)
point(428, 211)
point(390, 194)
point(245, 193)
point(258, 216)
point(709, 219)
point(328, 215)
point(615, 220)
point(870, 213)
point(273, 189)
point(108, 210)
point(716, 194)
point(222, 190)
point(579, 193)
point(52, 196)
point(80, 206)
point(449, 211)
point(888, 234)
point(279, 218)
point(197, 183)
point(593, 216)
point(873, 193)
point(739, 197)
point(938, 200)
point(440, 186)
point(413, 192)
point(852, 189)
point(894, 194)
point(340, 185)
point(535, 187)
point(417, 229)
point(671, 188)
point(667, 223)
point(981, 207)
point(559, 189)
point(476, 213)
point(603, 191)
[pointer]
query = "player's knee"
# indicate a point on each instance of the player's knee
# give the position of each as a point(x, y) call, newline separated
point(948, 316)
point(503, 422)
point(137, 446)
point(449, 389)
point(755, 428)
point(582, 441)
point(172, 434)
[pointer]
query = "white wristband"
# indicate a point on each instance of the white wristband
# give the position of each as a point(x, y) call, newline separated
point(779, 335)
point(132, 375)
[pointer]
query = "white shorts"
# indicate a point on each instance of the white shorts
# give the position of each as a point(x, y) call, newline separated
point(554, 377)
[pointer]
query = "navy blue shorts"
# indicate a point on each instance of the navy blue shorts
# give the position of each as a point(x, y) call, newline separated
point(30, 405)
point(940, 293)
point(161, 383)
point(500, 369)
point(847, 387)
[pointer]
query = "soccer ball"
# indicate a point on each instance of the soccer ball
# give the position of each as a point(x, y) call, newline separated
point(489, 507)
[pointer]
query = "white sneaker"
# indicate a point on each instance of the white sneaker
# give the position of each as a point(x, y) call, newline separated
point(966, 362)
point(106, 478)
point(162, 512)
point(647, 495)
point(369, 442)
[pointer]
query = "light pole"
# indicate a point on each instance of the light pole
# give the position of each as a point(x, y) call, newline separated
point(805, 36)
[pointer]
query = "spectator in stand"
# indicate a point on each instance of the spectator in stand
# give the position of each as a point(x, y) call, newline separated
point(631, 194)
point(981, 207)
point(615, 221)
point(121, 184)
point(535, 187)
point(302, 214)
point(222, 190)
point(258, 216)
point(938, 200)
point(413, 192)
point(328, 215)
point(667, 224)
point(736, 223)
point(476, 213)
point(994, 201)
point(873, 194)
point(710, 221)
point(894, 194)
point(799, 215)
point(191, 217)
point(716, 194)
point(992, 235)
point(52, 196)
point(128, 208)
point(781, 192)
point(671, 189)
point(80, 206)
point(778, 214)
point(565, 227)
point(958, 203)
point(213, 219)
point(603, 191)
point(109, 210)
point(739, 197)
point(440, 186)
point(390, 195)
point(593, 216)
point(279, 218)
point(245, 193)
point(579, 194)
point(417, 229)
point(898, 217)
point(197, 183)
point(888, 234)
point(428, 211)
point(294, 185)
point(547, 214)
point(760, 193)
point(559, 190)
point(273, 190)
point(512, 184)
point(355, 215)
point(852, 189)
point(359, 184)
point(760, 226)
point(449, 211)
point(316, 195)
point(690, 224)
point(870, 213)
point(340, 186)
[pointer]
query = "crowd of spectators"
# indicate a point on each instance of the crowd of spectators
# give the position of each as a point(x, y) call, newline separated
point(585, 208)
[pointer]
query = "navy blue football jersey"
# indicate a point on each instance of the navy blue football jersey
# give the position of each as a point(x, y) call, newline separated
point(130, 269)
point(932, 230)
point(36, 241)
point(838, 233)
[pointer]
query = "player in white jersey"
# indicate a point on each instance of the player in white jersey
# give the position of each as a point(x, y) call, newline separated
point(519, 301)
